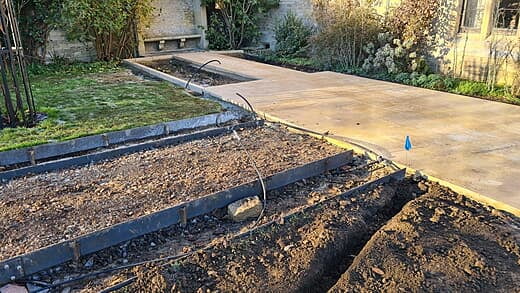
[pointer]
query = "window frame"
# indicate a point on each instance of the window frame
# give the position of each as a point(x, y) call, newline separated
point(494, 13)
point(463, 11)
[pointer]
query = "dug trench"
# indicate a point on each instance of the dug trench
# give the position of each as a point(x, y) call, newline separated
point(439, 241)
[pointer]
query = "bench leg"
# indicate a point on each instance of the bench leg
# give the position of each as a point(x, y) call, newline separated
point(182, 43)
point(161, 45)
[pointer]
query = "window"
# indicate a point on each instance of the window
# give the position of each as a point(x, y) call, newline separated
point(472, 11)
point(506, 14)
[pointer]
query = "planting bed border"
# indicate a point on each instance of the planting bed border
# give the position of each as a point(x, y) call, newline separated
point(132, 148)
point(135, 65)
point(27, 264)
point(51, 150)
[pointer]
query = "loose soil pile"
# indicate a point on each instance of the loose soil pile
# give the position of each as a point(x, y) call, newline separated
point(441, 242)
point(41, 210)
point(305, 253)
point(184, 71)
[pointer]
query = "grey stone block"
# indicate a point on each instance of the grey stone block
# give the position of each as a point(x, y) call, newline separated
point(136, 134)
point(14, 157)
point(68, 147)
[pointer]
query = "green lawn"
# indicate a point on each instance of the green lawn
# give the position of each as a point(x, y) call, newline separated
point(83, 100)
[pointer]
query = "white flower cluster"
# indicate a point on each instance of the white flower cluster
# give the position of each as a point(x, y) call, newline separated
point(391, 55)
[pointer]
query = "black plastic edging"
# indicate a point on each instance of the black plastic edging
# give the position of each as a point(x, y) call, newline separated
point(21, 266)
point(52, 150)
point(118, 151)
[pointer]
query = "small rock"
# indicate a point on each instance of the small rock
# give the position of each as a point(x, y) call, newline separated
point(378, 271)
point(89, 263)
point(423, 186)
point(10, 288)
point(152, 244)
point(246, 208)
point(288, 247)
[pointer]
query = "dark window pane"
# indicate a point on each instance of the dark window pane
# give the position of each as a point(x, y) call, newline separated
point(472, 13)
point(506, 14)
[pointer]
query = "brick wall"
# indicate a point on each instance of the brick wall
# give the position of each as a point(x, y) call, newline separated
point(302, 8)
point(59, 46)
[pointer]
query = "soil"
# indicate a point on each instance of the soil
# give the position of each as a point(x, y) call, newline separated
point(441, 242)
point(185, 71)
point(205, 229)
point(40, 210)
point(306, 252)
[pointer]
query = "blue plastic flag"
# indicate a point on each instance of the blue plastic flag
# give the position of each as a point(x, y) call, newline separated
point(408, 143)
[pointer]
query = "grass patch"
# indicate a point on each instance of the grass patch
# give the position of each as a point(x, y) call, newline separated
point(87, 99)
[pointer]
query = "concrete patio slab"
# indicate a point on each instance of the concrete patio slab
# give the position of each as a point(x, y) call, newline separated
point(467, 141)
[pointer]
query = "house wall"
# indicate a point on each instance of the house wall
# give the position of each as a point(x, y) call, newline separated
point(464, 54)
point(174, 18)
point(302, 8)
point(171, 18)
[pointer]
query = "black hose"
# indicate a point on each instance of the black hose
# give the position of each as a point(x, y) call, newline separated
point(260, 178)
point(248, 104)
point(119, 285)
point(198, 70)
point(120, 268)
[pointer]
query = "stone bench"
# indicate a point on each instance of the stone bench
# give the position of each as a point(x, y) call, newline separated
point(161, 41)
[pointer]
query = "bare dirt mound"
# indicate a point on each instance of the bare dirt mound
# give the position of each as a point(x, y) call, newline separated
point(440, 242)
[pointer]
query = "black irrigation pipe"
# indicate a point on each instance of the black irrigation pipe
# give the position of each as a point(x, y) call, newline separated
point(398, 175)
point(19, 267)
point(119, 151)
point(32, 155)
point(198, 70)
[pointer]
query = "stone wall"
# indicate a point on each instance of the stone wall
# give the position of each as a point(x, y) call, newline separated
point(59, 47)
point(171, 18)
point(302, 8)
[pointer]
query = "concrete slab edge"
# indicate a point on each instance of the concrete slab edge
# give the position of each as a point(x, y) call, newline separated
point(132, 64)
point(51, 150)
point(24, 265)
point(485, 200)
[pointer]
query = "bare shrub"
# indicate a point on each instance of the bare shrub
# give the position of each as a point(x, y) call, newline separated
point(344, 28)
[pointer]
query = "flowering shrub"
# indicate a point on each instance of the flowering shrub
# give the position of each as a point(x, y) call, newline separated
point(392, 56)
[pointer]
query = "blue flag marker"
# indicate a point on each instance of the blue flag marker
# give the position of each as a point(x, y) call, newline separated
point(408, 143)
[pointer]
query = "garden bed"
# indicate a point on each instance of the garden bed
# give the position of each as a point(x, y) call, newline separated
point(209, 228)
point(285, 63)
point(187, 71)
point(304, 253)
point(44, 209)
